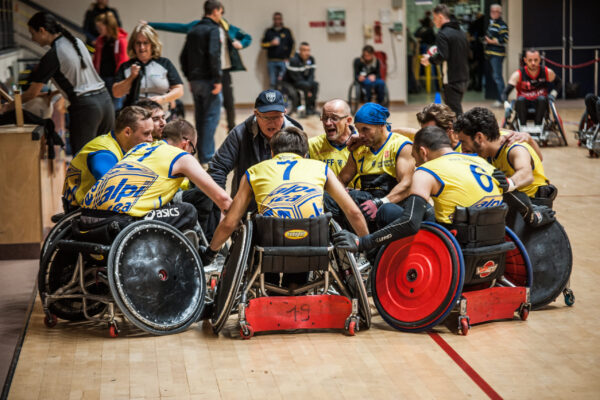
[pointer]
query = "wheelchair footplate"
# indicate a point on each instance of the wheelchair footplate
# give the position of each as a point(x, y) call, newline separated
point(278, 313)
point(492, 304)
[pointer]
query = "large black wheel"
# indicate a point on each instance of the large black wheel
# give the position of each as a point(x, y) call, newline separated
point(354, 96)
point(557, 125)
point(156, 277)
point(57, 230)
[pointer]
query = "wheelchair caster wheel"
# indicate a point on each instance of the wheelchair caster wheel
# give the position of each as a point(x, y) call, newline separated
point(213, 284)
point(50, 320)
point(113, 330)
point(524, 313)
point(464, 326)
point(246, 333)
point(352, 328)
point(569, 297)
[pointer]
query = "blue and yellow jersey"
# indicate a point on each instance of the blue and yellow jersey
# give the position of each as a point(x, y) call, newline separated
point(319, 148)
point(142, 181)
point(466, 180)
point(501, 161)
point(458, 147)
point(79, 179)
point(288, 186)
point(371, 162)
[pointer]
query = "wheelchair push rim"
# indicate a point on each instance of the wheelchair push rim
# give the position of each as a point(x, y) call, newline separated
point(156, 277)
point(417, 280)
point(229, 282)
point(61, 226)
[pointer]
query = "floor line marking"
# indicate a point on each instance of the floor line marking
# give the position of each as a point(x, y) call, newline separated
point(471, 373)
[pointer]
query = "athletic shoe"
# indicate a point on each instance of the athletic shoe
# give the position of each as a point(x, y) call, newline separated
point(497, 104)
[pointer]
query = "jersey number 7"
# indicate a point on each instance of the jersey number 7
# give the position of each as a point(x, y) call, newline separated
point(286, 173)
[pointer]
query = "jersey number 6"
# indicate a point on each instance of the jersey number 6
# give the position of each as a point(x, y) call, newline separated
point(480, 173)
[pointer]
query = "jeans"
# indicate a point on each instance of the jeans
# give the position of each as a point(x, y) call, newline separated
point(496, 64)
point(207, 111)
point(378, 86)
point(276, 71)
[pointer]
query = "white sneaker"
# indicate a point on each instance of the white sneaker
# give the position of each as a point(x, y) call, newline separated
point(497, 104)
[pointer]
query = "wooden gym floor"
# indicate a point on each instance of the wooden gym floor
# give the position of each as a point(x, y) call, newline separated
point(554, 354)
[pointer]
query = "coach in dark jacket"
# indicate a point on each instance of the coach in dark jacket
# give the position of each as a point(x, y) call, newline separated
point(201, 64)
point(246, 145)
point(453, 54)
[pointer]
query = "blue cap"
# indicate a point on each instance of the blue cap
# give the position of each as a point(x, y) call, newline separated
point(270, 100)
point(372, 114)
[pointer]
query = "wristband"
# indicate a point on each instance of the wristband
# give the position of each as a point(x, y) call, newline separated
point(511, 185)
point(384, 200)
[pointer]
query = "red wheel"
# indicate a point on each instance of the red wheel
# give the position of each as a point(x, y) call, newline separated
point(113, 331)
point(352, 328)
point(464, 327)
point(248, 335)
point(524, 313)
point(50, 321)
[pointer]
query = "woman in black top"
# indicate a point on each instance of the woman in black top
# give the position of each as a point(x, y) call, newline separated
point(147, 74)
point(70, 66)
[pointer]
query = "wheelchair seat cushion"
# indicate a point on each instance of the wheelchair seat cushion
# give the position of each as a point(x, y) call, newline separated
point(293, 245)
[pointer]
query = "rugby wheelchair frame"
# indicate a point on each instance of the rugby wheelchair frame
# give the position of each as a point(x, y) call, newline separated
point(292, 97)
point(588, 135)
point(479, 269)
point(150, 270)
point(332, 297)
point(553, 132)
point(357, 94)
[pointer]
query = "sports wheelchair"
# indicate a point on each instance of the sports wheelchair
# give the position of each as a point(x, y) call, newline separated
point(588, 135)
point(553, 132)
point(357, 95)
point(479, 268)
point(149, 270)
point(332, 295)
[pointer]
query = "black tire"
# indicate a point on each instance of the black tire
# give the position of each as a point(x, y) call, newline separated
point(354, 97)
point(60, 226)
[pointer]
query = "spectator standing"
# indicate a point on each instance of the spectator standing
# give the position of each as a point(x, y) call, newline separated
point(89, 22)
point(70, 65)
point(111, 51)
point(147, 74)
point(279, 42)
point(201, 64)
point(495, 48)
point(300, 72)
point(231, 61)
point(453, 54)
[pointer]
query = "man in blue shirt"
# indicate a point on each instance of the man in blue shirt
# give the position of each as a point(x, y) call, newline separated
point(495, 39)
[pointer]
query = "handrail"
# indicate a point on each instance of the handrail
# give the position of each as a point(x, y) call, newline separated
point(67, 23)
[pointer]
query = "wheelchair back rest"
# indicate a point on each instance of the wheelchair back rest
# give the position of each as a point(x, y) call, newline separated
point(293, 245)
point(545, 195)
point(481, 235)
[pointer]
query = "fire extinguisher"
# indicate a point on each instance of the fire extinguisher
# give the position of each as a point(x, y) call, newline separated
point(377, 32)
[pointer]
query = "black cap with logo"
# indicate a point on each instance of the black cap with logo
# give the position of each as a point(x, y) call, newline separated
point(270, 100)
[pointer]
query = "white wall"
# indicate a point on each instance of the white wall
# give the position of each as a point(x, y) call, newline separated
point(333, 54)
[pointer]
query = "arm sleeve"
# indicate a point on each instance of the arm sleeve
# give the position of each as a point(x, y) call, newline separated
point(244, 38)
point(406, 225)
point(292, 44)
point(443, 49)
point(225, 159)
point(120, 76)
point(214, 54)
point(183, 57)
point(556, 84)
point(507, 89)
point(100, 162)
point(266, 40)
point(46, 68)
point(174, 27)
point(172, 74)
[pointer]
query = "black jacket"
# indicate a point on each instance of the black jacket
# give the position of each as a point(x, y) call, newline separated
point(297, 70)
point(240, 151)
point(201, 55)
point(284, 49)
point(453, 53)
point(361, 68)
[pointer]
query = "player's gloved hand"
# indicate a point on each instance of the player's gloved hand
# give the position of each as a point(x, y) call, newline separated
point(370, 207)
point(541, 215)
point(345, 240)
point(552, 95)
point(507, 106)
point(502, 180)
point(207, 255)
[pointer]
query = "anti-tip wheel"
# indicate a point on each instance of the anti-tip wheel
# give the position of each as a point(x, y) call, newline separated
point(352, 328)
point(524, 313)
point(464, 327)
point(113, 330)
point(50, 320)
point(247, 333)
point(569, 297)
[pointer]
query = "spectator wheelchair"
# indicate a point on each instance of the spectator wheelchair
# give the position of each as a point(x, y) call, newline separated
point(331, 294)
point(148, 270)
point(357, 95)
point(588, 135)
point(553, 132)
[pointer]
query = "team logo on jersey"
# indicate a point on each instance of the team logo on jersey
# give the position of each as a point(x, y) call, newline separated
point(270, 96)
point(489, 201)
point(295, 234)
point(72, 183)
point(293, 200)
point(486, 269)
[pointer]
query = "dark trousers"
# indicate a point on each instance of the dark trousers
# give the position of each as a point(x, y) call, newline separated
point(208, 214)
point(228, 101)
point(90, 116)
point(453, 94)
point(308, 87)
point(540, 105)
point(592, 105)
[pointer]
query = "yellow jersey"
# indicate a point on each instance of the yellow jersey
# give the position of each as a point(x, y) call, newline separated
point(319, 148)
point(372, 163)
point(142, 181)
point(500, 161)
point(458, 147)
point(466, 180)
point(79, 179)
point(288, 186)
